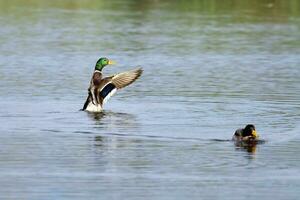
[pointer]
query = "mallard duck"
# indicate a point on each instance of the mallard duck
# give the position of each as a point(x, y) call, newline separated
point(247, 134)
point(101, 89)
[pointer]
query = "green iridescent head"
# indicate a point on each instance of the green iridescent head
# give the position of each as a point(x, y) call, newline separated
point(102, 62)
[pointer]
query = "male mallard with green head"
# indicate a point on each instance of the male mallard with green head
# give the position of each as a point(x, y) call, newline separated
point(101, 89)
point(247, 134)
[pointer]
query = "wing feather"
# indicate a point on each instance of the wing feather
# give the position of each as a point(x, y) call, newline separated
point(111, 84)
point(126, 78)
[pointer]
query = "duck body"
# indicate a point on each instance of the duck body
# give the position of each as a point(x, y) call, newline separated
point(245, 135)
point(101, 89)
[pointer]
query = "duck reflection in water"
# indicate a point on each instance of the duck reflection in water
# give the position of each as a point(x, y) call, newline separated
point(250, 147)
point(97, 116)
point(114, 122)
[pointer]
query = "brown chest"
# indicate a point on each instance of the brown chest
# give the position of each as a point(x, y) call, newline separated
point(97, 76)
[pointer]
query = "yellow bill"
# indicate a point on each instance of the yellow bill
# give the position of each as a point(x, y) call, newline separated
point(255, 134)
point(111, 62)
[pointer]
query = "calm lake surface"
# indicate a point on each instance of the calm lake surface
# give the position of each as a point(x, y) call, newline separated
point(209, 68)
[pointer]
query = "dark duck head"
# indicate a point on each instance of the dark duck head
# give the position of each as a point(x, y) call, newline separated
point(249, 130)
point(102, 62)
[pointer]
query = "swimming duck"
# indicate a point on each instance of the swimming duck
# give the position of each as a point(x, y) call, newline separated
point(246, 135)
point(101, 89)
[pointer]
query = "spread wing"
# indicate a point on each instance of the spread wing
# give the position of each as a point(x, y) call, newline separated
point(126, 78)
point(113, 83)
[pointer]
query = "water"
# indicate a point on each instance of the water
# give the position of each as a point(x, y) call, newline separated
point(209, 68)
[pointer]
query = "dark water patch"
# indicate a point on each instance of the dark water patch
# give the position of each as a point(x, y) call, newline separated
point(51, 130)
point(84, 132)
